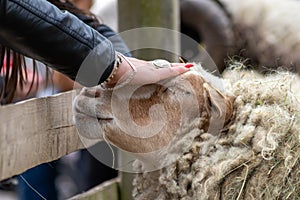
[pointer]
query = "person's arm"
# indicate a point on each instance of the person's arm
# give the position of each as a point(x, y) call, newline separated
point(116, 40)
point(40, 30)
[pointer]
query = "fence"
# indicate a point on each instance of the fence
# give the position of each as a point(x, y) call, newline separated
point(41, 130)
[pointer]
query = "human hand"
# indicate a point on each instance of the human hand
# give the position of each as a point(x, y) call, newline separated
point(140, 72)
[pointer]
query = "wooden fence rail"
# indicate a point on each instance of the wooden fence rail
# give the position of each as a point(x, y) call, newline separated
point(36, 131)
point(41, 130)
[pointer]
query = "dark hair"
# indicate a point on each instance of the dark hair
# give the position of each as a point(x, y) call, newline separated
point(11, 78)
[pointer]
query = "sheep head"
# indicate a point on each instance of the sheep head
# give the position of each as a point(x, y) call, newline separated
point(149, 118)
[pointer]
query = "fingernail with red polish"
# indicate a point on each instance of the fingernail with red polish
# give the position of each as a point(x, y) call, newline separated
point(189, 65)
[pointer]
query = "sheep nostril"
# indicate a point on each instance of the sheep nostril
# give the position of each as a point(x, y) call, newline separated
point(92, 93)
point(97, 93)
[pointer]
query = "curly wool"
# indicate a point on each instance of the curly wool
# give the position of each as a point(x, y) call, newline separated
point(257, 157)
point(266, 31)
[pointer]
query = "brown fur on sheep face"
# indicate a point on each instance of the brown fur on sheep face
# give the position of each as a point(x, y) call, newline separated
point(151, 117)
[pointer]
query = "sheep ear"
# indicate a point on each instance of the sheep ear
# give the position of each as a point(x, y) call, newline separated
point(219, 106)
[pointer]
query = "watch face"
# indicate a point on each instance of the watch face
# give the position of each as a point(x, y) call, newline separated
point(160, 63)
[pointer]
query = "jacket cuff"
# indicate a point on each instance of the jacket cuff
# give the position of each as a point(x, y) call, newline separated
point(98, 65)
point(106, 73)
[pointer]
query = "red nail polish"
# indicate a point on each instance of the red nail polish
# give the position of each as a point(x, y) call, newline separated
point(189, 65)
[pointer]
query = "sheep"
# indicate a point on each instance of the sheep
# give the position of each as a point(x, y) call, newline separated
point(222, 138)
point(151, 119)
point(266, 32)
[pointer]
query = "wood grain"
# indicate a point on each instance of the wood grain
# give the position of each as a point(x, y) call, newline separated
point(36, 131)
point(106, 191)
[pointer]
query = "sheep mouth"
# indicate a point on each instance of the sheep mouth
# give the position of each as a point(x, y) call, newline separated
point(100, 119)
point(104, 119)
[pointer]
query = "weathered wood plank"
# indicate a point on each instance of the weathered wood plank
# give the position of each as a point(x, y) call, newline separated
point(36, 131)
point(106, 191)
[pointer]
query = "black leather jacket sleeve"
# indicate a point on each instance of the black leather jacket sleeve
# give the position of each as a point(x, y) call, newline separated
point(116, 40)
point(38, 29)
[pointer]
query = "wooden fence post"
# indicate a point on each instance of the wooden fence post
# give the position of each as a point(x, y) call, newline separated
point(149, 13)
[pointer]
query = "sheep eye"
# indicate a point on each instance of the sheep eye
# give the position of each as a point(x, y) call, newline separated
point(165, 90)
point(169, 90)
point(187, 92)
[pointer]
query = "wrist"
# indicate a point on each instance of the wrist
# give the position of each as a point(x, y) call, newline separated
point(122, 68)
point(120, 75)
point(115, 68)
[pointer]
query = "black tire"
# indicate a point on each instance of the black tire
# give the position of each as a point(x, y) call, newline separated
point(207, 23)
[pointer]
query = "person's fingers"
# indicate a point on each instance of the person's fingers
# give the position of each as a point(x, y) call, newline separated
point(165, 73)
point(177, 64)
point(186, 65)
point(147, 72)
